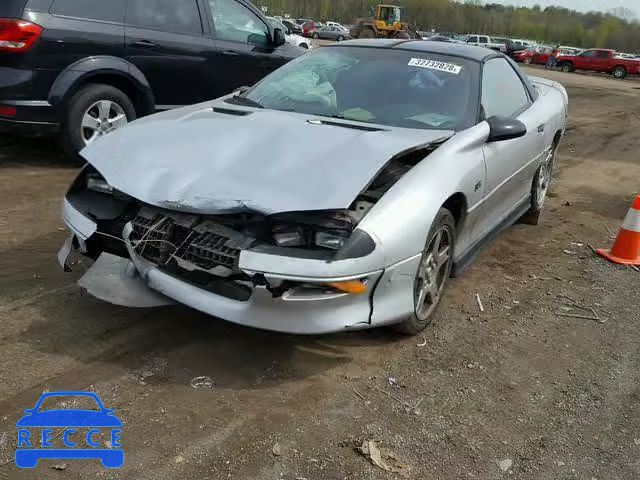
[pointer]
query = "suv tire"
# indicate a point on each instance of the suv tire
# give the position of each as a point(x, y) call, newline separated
point(79, 105)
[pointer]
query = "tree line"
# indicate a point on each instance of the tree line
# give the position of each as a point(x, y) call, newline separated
point(616, 29)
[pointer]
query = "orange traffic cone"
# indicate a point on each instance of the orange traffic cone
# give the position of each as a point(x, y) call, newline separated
point(626, 250)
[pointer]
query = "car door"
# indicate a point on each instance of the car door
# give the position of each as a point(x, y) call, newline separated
point(510, 164)
point(473, 40)
point(602, 61)
point(584, 61)
point(244, 49)
point(165, 39)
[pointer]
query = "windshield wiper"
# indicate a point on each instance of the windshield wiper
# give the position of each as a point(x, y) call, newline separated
point(245, 101)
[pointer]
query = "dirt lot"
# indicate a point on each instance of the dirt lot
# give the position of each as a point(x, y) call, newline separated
point(550, 397)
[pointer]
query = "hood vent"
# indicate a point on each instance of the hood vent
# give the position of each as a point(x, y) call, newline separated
point(232, 111)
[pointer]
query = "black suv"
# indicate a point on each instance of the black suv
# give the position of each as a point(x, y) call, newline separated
point(88, 67)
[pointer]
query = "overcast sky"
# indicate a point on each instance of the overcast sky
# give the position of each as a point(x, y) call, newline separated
point(580, 5)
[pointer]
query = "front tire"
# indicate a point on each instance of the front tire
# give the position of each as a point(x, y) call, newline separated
point(566, 67)
point(340, 38)
point(92, 112)
point(528, 60)
point(433, 273)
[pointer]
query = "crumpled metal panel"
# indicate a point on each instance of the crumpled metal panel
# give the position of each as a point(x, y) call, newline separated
point(267, 162)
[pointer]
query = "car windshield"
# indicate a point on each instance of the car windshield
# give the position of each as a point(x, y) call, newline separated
point(388, 87)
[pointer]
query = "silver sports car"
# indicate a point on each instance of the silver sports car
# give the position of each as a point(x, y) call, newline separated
point(339, 193)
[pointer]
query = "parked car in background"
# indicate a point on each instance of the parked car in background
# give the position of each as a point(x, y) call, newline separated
point(88, 67)
point(400, 185)
point(485, 41)
point(599, 60)
point(293, 26)
point(440, 38)
point(310, 26)
point(292, 38)
point(336, 24)
point(513, 47)
point(330, 33)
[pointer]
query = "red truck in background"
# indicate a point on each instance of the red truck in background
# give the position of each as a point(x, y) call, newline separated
point(599, 60)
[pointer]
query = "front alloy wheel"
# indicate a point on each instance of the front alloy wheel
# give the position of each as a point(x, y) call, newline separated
point(102, 118)
point(433, 273)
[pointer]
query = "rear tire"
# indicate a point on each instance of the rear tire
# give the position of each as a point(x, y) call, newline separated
point(527, 61)
point(341, 38)
point(619, 72)
point(433, 273)
point(316, 36)
point(539, 189)
point(77, 107)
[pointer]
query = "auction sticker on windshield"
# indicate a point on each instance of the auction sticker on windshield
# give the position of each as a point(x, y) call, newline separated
point(435, 65)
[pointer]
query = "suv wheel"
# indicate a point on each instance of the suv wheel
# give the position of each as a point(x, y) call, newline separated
point(92, 112)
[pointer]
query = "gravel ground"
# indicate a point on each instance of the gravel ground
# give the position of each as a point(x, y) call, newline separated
point(516, 391)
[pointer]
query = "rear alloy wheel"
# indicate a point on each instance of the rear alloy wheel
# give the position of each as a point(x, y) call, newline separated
point(619, 72)
point(100, 119)
point(316, 35)
point(567, 68)
point(340, 38)
point(94, 111)
point(433, 273)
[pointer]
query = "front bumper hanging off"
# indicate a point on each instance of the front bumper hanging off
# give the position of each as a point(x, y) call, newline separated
point(136, 282)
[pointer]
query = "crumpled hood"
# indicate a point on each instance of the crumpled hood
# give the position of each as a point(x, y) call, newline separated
point(201, 161)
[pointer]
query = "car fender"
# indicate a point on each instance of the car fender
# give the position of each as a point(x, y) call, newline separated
point(84, 69)
point(403, 217)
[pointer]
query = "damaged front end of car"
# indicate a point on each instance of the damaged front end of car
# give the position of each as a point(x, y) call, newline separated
point(300, 272)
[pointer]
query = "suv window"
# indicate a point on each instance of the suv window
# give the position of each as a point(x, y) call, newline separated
point(503, 93)
point(234, 22)
point(105, 10)
point(178, 16)
point(483, 40)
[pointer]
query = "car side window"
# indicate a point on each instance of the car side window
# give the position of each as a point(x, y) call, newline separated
point(107, 11)
point(603, 55)
point(483, 40)
point(503, 92)
point(234, 22)
point(472, 40)
point(588, 53)
point(177, 16)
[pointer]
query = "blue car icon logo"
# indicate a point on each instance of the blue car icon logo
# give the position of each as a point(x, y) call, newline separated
point(32, 447)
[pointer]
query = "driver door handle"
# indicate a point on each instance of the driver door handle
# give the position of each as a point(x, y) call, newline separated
point(144, 44)
point(541, 128)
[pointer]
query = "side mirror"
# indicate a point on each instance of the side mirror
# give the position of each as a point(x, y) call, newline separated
point(278, 37)
point(260, 39)
point(504, 128)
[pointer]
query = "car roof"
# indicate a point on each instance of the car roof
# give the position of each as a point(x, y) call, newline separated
point(479, 54)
